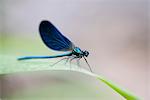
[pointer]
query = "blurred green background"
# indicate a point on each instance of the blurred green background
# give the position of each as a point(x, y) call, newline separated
point(115, 32)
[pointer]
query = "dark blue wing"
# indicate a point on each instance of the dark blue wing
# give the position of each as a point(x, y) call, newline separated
point(53, 38)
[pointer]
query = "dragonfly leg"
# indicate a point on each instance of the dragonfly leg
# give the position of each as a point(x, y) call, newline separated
point(72, 60)
point(88, 64)
point(67, 59)
point(58, 61)
point(78, 63)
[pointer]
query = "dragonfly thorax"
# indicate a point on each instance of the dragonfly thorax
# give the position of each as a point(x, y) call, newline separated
point(79, 53)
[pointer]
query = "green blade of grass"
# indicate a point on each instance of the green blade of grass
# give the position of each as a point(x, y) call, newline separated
point(126, 94)
point(9, 64)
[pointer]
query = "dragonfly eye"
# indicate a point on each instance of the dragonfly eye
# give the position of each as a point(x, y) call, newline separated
point(86, 53)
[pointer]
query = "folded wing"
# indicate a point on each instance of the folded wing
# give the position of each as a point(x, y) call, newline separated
point(53, 38)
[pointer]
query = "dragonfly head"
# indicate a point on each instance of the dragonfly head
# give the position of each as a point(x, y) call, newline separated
point(85, 53)
point(79, 53)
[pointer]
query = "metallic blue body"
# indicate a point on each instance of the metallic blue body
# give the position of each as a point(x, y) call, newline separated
point(44, 57)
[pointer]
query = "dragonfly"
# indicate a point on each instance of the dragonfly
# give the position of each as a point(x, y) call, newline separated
point(55, 40)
